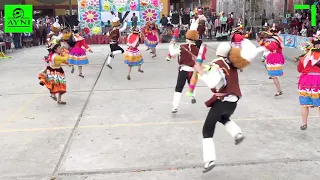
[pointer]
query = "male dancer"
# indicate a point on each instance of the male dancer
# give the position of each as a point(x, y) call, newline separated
point(186, 63)
point(114, 36)
point(223, 81)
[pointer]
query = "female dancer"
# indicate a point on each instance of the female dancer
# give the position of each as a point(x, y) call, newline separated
point(53, 76)
point(309, 81)
point(152, 39)
point(274, 60)
point(223, 81)
point(77, 55)
point(132, 56)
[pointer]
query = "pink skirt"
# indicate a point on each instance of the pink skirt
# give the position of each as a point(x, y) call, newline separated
point(274, 64)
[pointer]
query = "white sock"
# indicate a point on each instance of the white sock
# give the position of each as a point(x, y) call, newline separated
point(232, 128)
point(209, 150)
point(176, 99)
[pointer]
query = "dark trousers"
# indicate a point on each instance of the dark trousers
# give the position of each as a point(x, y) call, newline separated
point(116, 47)
point(210, 33)
point(183, 76)
point(219, 112)
point(17, 43)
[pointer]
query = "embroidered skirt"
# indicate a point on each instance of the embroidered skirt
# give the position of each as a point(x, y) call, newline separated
point(274, 64)
point(78, 57)
point(309, 89)
point(53, 79)
point(133, 57)
point(151, 41)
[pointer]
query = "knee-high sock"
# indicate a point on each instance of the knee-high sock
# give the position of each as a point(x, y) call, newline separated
point(209, 150)
point(116, 52)
point(232, 128)
point(109, 60)
point(176, 99)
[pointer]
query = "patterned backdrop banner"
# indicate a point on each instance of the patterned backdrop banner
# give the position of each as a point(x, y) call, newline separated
point(294, 41)
point(89, 15)
point(119, 5)
point(290, 41)
point(150, 11)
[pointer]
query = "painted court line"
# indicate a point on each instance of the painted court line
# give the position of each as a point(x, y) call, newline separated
point(140, 124)
point(21, 109)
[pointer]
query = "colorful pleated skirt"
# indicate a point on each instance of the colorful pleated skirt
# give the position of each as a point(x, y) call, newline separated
point(133, 57)
point(151, 41)
point(53, 79)
point(274, 64)
point(309, 90)
point(78, 57)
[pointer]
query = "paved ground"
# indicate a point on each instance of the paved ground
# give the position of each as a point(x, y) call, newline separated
point(117, 129)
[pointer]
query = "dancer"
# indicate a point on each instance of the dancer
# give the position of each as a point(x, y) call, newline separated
point(53, 76)
point(237, 36)
point(274, 60)
point(186, 63)
point(202, 23)
point(309, 81)
point(66, 36)
point(152, 39)
point(132, 56)
point(114, 36)
point(173, 45)
point(223, 80)
point(54, 33)
point(77, 55)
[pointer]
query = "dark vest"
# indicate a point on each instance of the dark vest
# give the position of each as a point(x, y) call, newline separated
point(232, 87)
point(114, 35)
point(186, 55)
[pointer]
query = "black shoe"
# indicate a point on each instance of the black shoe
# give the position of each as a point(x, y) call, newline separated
point(193, 101)
point(238, 139)
point(72, 70)
point(208, 167)
point(109, 66)
point(81, 75)
point(128, 77)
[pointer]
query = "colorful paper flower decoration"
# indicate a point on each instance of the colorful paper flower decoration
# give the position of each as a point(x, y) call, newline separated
point(90, 16)
point(96, 30)
point(106, 6)
point(149, 15)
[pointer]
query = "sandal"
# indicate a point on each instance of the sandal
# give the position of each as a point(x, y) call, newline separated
point(154, 56)
point(303, 127)
point(279, 93)
point(72, 70)
point(141, 71)
point(270, 77)
point(62, 102)
point(128, 77)
point(81, 75)
point(54, 98)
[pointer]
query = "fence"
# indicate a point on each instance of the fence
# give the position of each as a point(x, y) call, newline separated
point(294, 41)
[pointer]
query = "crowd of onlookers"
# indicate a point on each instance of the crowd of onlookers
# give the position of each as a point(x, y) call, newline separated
point(216, 22)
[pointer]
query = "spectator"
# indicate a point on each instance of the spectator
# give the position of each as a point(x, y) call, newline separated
point(209, 26)
point(304, 31)
point(223, 20)
point(134, 20)
point(217, 25)
point(230, 22)
point(17, 40)
point(164, 20)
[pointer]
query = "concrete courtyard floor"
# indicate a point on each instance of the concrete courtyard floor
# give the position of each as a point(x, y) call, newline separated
point(115, 129)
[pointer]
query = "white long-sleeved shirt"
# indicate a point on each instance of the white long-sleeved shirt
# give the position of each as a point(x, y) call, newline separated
point(216, 79)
